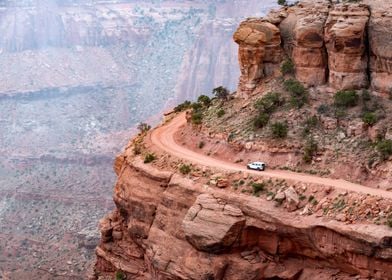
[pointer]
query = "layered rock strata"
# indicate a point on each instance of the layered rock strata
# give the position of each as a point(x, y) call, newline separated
point(304, 34)
point(169, 227)
point(344, 45)
point(380, 38)
point(346, 42)
point(259, 51)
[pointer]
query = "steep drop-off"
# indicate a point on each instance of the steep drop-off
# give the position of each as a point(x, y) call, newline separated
point(169, 225)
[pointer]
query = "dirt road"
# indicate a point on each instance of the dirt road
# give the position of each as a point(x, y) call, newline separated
point(163, 138)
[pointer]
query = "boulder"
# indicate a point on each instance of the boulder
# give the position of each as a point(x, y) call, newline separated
point(222, 183)
point(292, 199)
point(211, 225)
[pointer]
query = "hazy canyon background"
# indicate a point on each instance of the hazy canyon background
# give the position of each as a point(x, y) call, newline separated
point(75, 79)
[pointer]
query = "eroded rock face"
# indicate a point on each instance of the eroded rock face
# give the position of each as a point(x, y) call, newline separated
point(380, 38)
point(259, 50)
point(345, 45)
point(345, 39)
point(309, 55)
point(169, 227)
point(212, 225)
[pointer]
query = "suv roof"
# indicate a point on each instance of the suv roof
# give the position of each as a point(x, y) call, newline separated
point(257, 163)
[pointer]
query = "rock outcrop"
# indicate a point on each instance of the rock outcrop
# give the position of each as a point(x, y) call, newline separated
point(380, 38)
point(346, 42)
point(169, 227)
point(345, 45)
point(304, 41)
point(259, 51)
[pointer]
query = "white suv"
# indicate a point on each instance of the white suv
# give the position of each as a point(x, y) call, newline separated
point(260, 166)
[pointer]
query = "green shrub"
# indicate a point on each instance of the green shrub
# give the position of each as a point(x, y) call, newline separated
point(149, 158)
point(279, 130)
point(196, 106)
point(295, 87)
point(143, 127)
point(323, 109)
point(220, 113)
point(120, 275)
point(346, 98)
point(258, 187)
point(389, 221)
point(310, 150)
point(384, 147)
point(287, 67)
point(269, 102)
point(282, 2)
point(185, 169)
point(221, 93)
point(183, 106)
point(205, 100)
point(369, 118)
point(201, 145)
point(197, 117)
point(297, 91)
point(261, 120)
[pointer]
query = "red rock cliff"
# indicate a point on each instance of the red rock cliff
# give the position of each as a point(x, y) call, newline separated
point(345, 45)
point(169, 227)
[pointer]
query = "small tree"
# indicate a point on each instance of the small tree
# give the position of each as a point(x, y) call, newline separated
point(204, 100)
point(261, 120)
point(384, 148)
point(369, 118)
point(279, 130)
point(221, 93)
point(287, 67)
point(220, 113)
point(299, 95)
point(197, 117)
point(120, 275)
point(346, 98)
point(149, 158)
point(183, 106)
point(185, 169)
point(269, 102)
point(143, 127)
point(282, 2)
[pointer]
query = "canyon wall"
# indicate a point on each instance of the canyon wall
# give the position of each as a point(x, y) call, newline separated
point(343, 45)
point(169, 227)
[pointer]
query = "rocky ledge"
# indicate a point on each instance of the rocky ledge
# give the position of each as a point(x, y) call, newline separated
point(344, 45)
point(170, 227)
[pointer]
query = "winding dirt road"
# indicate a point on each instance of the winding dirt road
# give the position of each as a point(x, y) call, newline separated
point(163, 138)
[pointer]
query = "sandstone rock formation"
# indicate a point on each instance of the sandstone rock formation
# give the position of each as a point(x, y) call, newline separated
point(345, 38)
point(346, 45)
point(259, 51)
point(380, 38)
point(304, 41)
point(211, 225)
point(169, 227)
